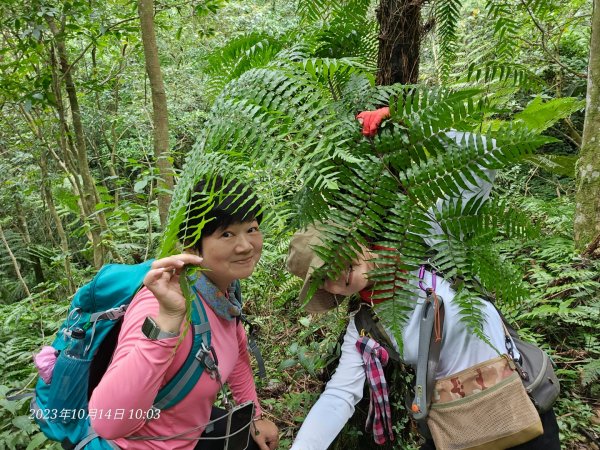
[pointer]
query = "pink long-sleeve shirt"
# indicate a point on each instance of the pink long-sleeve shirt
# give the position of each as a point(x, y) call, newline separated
point(140, 367)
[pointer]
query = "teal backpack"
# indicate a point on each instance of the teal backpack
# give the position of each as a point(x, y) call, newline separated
point(61, 407)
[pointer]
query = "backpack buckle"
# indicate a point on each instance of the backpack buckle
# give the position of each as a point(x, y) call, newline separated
point(207, 357)
point(114, 313)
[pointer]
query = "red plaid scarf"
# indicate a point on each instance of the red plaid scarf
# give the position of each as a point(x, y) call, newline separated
point(379, 420)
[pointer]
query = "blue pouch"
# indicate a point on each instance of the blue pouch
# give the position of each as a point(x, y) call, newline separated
point(68, 391)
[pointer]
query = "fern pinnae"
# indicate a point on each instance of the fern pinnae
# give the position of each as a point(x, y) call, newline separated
point(447, 13)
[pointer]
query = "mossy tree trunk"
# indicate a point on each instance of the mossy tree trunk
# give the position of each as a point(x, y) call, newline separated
point(587, 197)
point(159, 106)
point(399, 41)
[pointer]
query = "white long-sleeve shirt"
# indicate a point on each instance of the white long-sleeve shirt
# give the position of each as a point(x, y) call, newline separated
point(460, 349)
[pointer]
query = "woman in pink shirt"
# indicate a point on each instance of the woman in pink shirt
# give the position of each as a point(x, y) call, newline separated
point(227, 249)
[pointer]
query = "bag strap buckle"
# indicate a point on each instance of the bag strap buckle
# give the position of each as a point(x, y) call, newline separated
point(115, 313)
point(207, 357)
point(109, 314)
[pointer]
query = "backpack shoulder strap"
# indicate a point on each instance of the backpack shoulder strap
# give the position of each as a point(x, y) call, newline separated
point(367, 323)
point(252, 345)
point(428, 357)
point(189, 374)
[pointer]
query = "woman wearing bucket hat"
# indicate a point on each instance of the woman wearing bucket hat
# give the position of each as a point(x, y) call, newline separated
point(460, 351)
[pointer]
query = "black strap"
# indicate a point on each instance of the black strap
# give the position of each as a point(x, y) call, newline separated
point(18, 394)
point(367, 323)
point(253, 347)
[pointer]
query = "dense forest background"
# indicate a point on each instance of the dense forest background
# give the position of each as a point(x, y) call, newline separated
point(107, 105)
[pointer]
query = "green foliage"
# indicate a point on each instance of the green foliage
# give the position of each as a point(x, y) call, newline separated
point(22, 432)
point(310, 358)
point(576, 414)
point(272, 103)
point(25, 326)
point(539, 115)
point(447, 13)
point(505, 25)
point(556, 164)
point(312, 11)
point(501, 72)
point(239, 55)
point(291, 116)
point(590, 373)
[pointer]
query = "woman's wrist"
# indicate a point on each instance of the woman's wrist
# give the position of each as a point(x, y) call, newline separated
point(170, 323)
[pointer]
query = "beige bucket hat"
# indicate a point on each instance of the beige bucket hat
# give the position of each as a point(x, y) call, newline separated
point(302, 261)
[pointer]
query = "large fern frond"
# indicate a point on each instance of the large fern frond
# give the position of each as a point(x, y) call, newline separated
point(447, 14)
point(505, 73)
point(293, 118)
point(506, 27)
point(239, 55)
point(539, 115)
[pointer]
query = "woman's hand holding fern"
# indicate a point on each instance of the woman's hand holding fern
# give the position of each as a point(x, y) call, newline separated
point(163, 281)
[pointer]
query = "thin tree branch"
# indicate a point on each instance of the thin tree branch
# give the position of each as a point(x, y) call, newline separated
point(591, 250)
point(14, 261)
point(544, 46)
point(115, 25)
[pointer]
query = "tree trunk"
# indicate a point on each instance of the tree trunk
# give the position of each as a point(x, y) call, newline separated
point(89, 193)
point(399, 41)
point(587, 197)
point(46, 192)
point(159, 105)
point(14, 261)
point(66, 163)
point(24, 230)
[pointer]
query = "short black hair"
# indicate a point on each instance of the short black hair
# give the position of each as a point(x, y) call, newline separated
point(215, 204)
